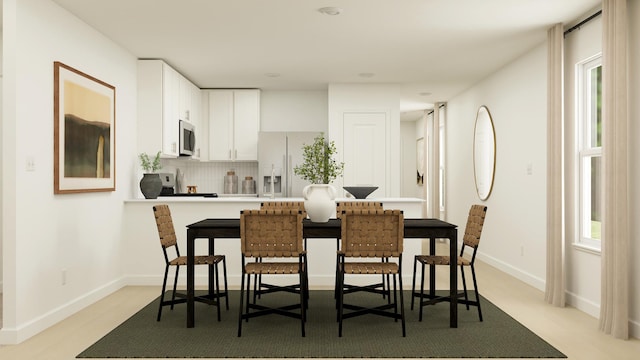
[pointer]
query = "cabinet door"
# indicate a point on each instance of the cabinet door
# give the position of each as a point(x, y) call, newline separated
point(220, 124)
point(184, 105)
point(171, 111)
point(195, 114)
point(246, 124)
point(365, 155)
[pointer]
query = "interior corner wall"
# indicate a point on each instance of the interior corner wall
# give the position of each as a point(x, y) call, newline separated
point(408, 136)
point(514, 234)
point(66, 248)
point(583, 267)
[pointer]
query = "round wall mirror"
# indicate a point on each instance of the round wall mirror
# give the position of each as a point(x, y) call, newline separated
point(484, 153)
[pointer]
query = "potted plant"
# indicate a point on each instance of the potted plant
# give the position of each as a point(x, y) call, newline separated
point(150, 184)
point(320, 168)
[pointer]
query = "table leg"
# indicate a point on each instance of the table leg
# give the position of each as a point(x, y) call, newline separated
point(432, 269)
point(212, 274)
point(190, 277)
point(453, 279)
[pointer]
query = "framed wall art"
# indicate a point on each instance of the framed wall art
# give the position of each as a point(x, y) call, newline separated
point(420, 161)
point(84, 132)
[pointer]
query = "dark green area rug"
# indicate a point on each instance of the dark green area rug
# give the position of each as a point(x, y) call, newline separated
point(274, 336)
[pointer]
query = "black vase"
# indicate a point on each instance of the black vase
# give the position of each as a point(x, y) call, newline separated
point(151, 186)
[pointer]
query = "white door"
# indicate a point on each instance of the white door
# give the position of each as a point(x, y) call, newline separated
point(365, 150)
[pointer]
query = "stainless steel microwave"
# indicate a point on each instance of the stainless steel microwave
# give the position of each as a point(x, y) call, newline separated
point(187, 138)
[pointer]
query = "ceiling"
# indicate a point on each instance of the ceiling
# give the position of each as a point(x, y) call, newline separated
point(433, 48)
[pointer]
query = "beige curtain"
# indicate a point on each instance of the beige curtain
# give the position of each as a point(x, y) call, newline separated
point(555, 278)
point(614, 304)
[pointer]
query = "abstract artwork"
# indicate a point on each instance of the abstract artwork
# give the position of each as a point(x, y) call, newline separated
point(420, 161)
point(84, 132)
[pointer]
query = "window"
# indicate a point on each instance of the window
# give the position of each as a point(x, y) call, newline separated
point(589, 125)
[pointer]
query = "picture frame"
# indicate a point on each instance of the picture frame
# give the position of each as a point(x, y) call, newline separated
point(84, 132)
point(420, 161)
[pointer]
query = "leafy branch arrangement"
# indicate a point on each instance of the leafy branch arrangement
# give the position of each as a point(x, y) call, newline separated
point(148, 165)
point(319, 167)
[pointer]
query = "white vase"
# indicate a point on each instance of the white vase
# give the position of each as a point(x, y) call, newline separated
point(319, 202)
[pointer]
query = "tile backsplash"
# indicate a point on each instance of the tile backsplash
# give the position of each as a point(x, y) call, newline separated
point(209, 176)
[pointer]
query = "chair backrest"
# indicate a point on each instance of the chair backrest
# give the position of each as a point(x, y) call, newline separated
point(372, 233)
point(284, 205)
point(271, 233)
point(355, 205)
point(475, 222)
point(164, 222)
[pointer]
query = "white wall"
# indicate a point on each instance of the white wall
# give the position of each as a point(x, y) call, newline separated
point(514, 235)
point(1, 172)
point(46, 234)
point(293, 110)
point(514, 238)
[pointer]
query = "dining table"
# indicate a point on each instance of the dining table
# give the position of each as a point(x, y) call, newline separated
point(414, 228)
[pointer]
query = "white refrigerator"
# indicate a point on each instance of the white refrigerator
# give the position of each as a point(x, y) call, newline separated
point(278, 154)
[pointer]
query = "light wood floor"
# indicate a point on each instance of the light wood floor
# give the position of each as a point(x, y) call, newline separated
point(569, 330)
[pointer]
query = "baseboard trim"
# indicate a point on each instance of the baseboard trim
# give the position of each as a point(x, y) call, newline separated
point(582, 304)
point(12, 336)
point(523, 276)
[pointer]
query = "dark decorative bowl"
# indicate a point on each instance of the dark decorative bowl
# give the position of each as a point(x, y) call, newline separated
point(360, 192)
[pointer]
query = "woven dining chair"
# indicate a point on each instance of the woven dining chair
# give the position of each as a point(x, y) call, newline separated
point(470, 241)
point(168, 241)
point(273, 236)
point(359, 205)
point(258, 286)
point(371, 234)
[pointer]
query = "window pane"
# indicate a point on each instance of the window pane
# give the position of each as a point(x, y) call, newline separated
point(595, 107)
point(592, 207)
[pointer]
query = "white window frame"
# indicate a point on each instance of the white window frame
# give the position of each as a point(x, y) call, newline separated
point(585, 152)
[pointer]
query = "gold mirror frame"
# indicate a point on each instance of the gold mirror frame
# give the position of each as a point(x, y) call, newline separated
point(484, 153)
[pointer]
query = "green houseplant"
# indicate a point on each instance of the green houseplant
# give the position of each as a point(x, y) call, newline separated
point(150, 184)
point(148, 165)
point(320, 168)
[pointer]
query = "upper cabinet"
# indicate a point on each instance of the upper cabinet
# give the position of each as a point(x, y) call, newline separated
point(164, 98)
point(234, 123)
point(190, 109)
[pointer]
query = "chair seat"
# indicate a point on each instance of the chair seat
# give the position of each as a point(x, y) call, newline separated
point(441, 260)
point(371, 268)
point(272, 268)
point(198, 260)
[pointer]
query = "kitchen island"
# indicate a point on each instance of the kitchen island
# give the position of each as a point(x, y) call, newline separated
point(145, 263)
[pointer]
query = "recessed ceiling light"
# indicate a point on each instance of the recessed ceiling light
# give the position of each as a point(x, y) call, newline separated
point(424, 93)
point(330, 10)
point(366, 75)
point(272, 75)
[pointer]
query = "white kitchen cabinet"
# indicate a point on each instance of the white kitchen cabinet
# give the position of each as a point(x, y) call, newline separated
point(164, 98)
point(190, 105)
point(158, 108)
point(234, 123)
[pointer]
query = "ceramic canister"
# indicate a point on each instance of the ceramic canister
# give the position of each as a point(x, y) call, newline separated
point(231, 182)
point(248, 185)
